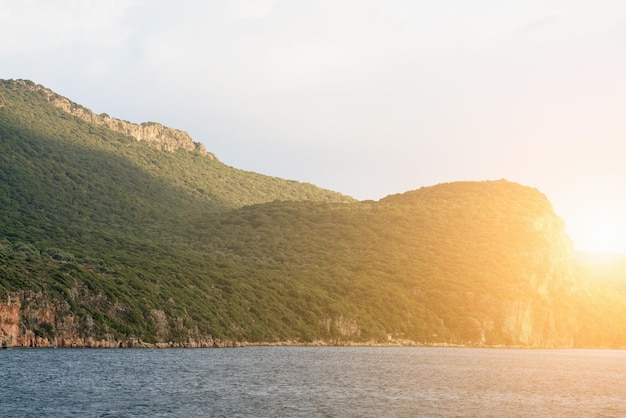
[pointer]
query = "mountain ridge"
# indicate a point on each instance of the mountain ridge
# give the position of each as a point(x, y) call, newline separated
point(154, 133)
point(31, 113)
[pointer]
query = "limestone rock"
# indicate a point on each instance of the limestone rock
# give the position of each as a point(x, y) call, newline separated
point(155, 134)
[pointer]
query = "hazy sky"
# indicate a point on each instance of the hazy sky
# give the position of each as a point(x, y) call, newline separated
point(365, 97)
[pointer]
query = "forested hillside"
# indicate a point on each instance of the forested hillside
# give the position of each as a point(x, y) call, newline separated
point(109, 237)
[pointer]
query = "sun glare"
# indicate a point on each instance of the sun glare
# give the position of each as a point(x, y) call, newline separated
point(595, 216)
point(601, 236)
point(601, 231)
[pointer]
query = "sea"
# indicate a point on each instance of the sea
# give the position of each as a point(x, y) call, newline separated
point(312, 382)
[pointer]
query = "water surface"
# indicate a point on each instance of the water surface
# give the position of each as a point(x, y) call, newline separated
point(312, 381)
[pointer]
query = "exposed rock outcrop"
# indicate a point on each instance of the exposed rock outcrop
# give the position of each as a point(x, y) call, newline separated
point(155, 134)
point(512, 249)
point(548, 319)
point(30, 319)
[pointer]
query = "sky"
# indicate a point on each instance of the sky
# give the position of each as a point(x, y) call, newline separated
point(364, 97)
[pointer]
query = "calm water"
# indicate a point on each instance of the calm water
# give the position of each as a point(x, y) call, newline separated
point(319, 381)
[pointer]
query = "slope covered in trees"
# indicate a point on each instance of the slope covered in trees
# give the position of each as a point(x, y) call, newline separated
point(106, 240)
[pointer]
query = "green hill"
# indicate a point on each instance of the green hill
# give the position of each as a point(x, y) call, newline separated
point(115, 234)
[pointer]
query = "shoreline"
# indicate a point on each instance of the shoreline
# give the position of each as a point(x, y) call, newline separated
point(139, 344)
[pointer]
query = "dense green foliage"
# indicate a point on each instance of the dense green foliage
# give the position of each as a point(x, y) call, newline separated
point(122, 217)
point(133, 241)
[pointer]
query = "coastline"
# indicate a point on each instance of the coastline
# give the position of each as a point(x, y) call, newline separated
point(134, 343)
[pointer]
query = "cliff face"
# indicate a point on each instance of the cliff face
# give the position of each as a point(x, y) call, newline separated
point(544, 314)
point(155, 134)
point(547, 318)
point(504, 246)
point(31, 319)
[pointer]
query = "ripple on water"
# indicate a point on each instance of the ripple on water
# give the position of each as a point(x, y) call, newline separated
point(312, 381)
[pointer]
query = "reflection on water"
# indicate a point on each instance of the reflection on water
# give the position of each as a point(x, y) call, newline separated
point(313, 381)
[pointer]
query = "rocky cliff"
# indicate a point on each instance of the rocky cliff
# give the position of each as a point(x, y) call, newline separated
point(32, 319)
point(503, 245)
point(547, 317)
point(155, 134)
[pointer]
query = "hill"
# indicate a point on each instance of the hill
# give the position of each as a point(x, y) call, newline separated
point(116, 234)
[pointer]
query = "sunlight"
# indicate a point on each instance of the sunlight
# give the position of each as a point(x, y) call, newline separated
point(600, 235)
point(594, 212)
point(599, 227)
